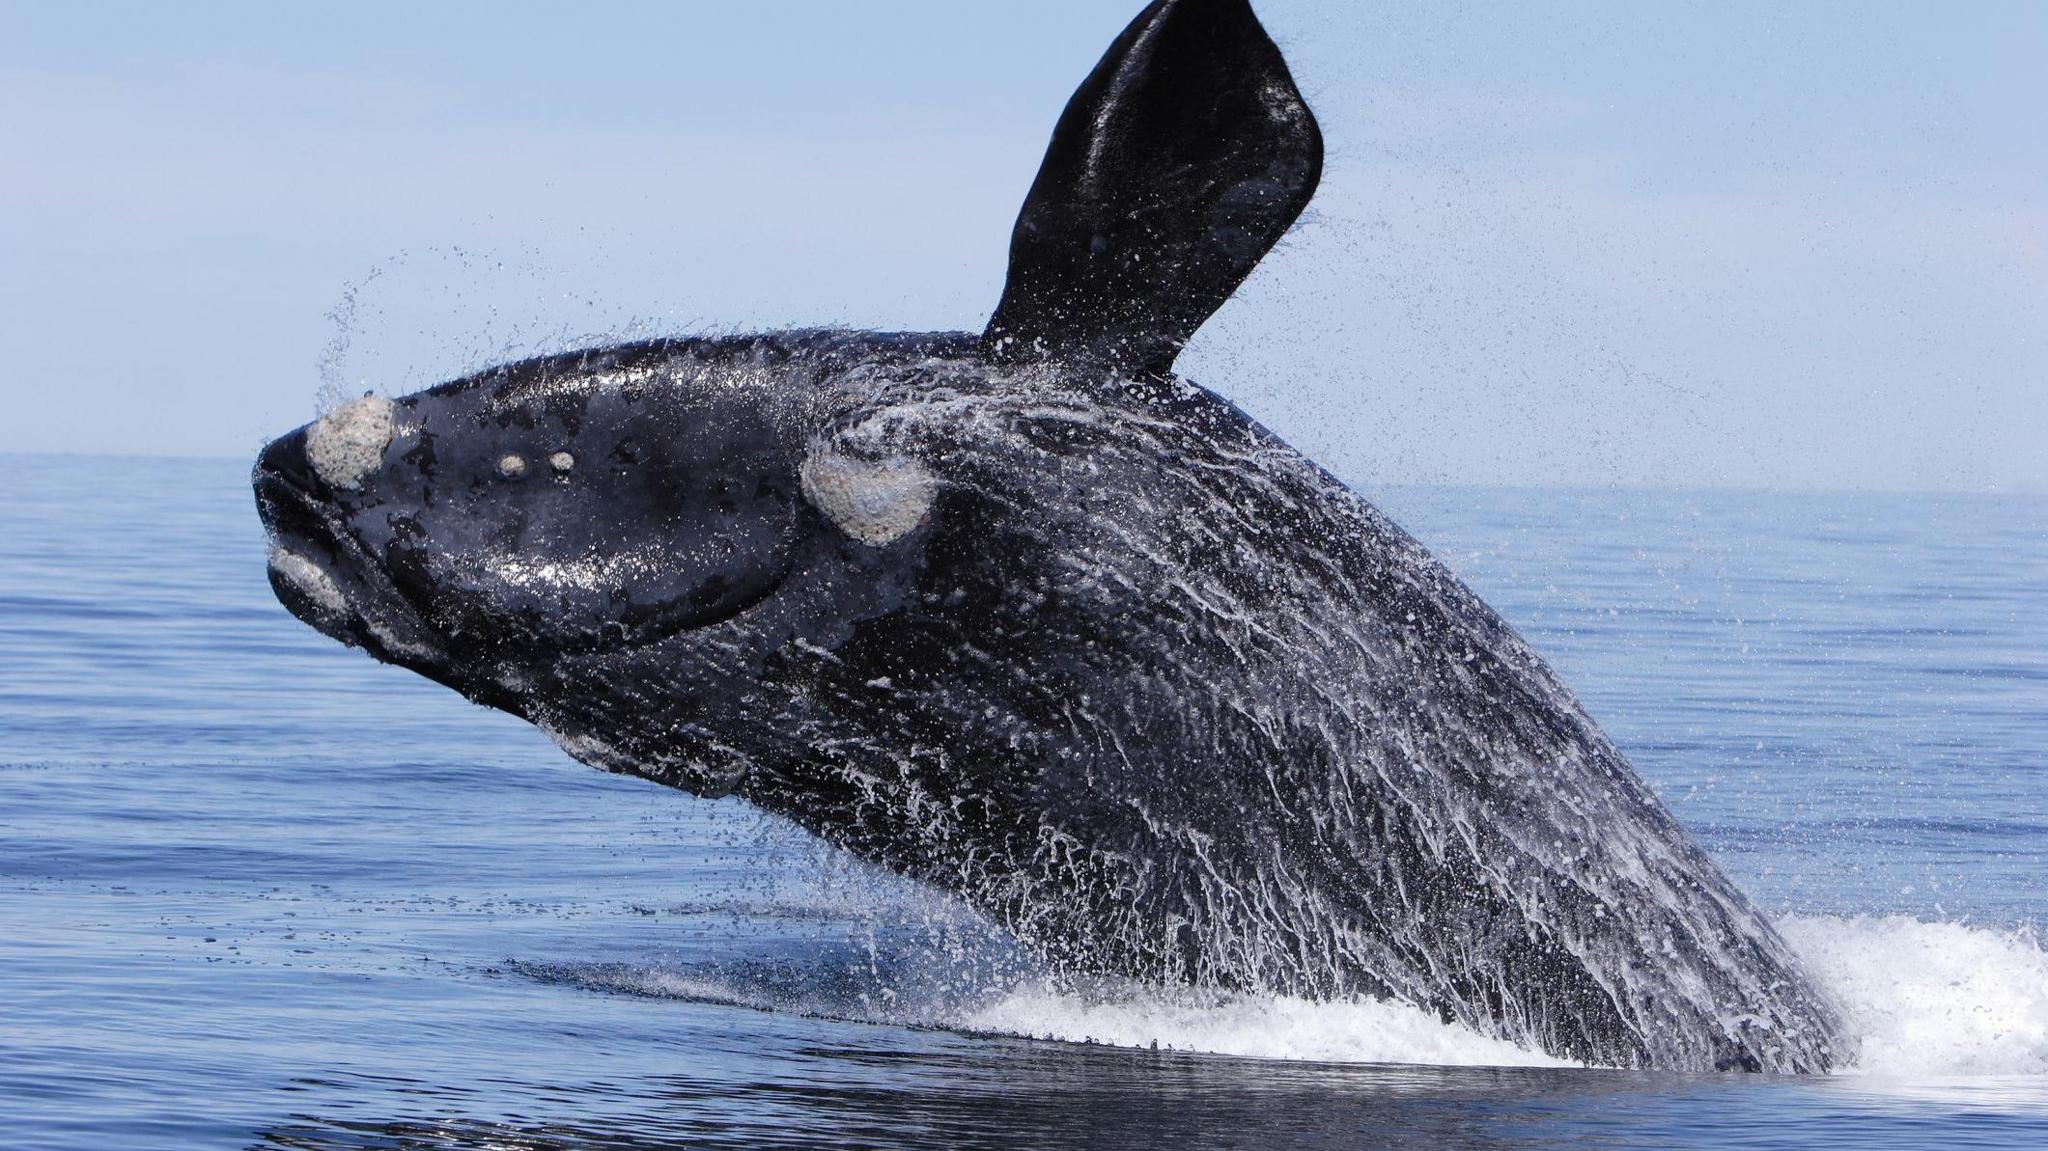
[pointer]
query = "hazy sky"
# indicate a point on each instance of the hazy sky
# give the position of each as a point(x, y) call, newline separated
point(1756, 244)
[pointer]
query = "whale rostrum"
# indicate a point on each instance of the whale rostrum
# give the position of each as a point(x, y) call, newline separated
point(1024, 616)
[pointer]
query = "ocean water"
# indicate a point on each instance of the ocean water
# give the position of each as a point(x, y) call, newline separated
point(258, 891)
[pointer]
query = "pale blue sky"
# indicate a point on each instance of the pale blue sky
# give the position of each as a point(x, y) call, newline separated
point(1752, 244)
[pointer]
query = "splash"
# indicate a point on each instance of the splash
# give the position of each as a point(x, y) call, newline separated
point(423, 315)
point(332, 367)
point(1256, 1027)
point(1932, 999)
point(1926, 1000)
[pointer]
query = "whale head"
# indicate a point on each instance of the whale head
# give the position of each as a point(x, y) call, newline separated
point(481, 530)
point(531, 533)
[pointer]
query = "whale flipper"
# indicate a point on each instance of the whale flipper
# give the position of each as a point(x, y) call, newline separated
point(1179, 162)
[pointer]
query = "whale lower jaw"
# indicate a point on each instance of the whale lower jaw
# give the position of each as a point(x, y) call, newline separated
point(321, 577)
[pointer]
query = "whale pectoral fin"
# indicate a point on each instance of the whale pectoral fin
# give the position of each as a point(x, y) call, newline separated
point(1177, 165)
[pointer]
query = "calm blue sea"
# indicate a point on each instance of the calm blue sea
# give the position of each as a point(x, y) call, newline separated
point(258, 891)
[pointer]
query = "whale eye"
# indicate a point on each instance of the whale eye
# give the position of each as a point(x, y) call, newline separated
point(512, 466)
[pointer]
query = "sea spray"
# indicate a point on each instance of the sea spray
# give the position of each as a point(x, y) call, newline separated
point(1932, 998)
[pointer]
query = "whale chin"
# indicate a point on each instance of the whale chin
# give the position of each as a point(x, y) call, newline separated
point(321, 576)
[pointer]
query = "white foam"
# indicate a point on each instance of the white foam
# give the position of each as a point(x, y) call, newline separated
point(1925, 1000)
point(1257, 1027)
point(1932, 999)
point(1932, 1004)
point(1253, 1027)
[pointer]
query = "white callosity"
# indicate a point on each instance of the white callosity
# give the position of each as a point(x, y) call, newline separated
point(309, 578)
point(348, 443)
point(875, 502)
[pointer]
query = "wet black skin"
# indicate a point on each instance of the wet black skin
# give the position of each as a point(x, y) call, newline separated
point(1130, 676)
point(696, 496)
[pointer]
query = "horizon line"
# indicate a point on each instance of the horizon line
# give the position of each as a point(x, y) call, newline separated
point(2012, 492)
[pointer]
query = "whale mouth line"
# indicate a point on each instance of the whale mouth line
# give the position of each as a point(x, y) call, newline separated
point(324, 578)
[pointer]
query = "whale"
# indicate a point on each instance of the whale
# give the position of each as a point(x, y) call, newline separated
point(1026, 617)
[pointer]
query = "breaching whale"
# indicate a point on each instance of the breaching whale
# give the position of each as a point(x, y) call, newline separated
point(1030, 619)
